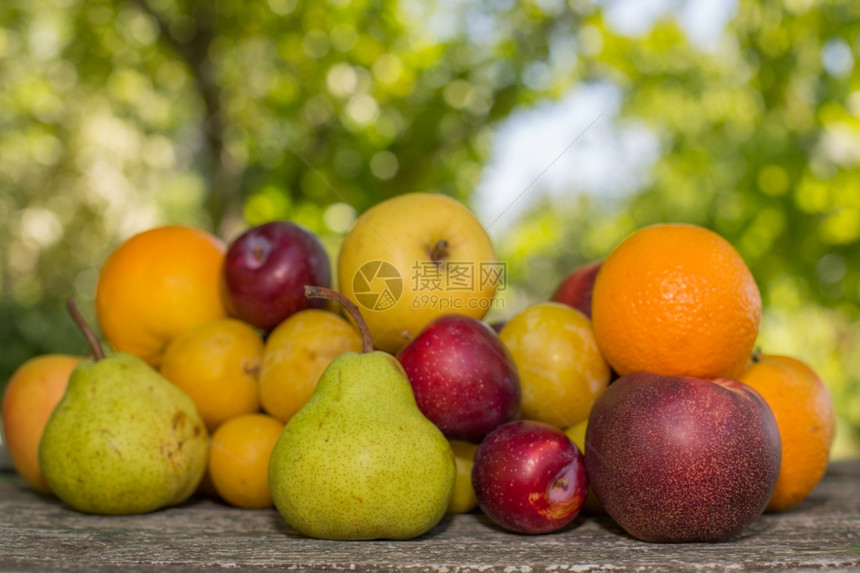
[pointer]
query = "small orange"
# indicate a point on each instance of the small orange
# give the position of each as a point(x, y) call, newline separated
point(216, 364)
point(676, 299)
point(239, 459)
point(156, 285)
point(803, 410)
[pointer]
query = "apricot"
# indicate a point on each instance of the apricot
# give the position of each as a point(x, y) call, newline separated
point(30, 397)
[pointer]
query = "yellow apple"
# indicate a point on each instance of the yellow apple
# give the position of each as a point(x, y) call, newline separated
point(412, 258)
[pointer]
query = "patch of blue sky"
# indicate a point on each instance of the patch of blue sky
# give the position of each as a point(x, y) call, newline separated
point(574, 144)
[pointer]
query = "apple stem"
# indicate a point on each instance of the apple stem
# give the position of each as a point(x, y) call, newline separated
point(329, 294)
point(440, 251)
point(81, 322)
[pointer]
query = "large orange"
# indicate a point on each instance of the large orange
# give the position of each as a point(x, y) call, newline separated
point(803, 410)
point(676, 299)
point(156, 285)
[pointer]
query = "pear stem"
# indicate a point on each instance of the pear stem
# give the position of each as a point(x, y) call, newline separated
point(756, 355)
point(81, 322)
point(329, 294)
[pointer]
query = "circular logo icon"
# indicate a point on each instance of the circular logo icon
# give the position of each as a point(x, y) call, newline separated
point(377, 285)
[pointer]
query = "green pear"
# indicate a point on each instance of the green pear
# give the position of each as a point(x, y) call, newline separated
point(123, 440)
point(359, 460)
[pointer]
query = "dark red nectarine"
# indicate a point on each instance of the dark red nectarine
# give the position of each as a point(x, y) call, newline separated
point(677, 459)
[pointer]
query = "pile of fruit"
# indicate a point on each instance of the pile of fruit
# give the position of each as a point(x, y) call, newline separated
point(373, 409)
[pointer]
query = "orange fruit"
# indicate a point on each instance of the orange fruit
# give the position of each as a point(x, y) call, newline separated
point(156, 285)
point(216, 364)
point(30, 397)
point(676, 299)
point(804, 415)
point(239, 459)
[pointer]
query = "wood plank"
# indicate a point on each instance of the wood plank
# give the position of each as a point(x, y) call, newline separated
point(41, 534)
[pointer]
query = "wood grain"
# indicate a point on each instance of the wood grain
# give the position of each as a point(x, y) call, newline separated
point(41, 534)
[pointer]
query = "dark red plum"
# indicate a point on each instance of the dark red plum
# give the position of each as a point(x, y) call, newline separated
point(266, 270)
point(678, 459)
point(463, 377)
point(529, 477)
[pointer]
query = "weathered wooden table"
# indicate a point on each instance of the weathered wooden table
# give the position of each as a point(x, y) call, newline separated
point(40, 534)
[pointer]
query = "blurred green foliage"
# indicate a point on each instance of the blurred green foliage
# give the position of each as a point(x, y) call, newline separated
point(760, 141)
point(118, 115)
